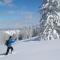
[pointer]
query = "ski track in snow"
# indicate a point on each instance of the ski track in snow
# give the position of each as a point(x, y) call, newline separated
point(34, 50)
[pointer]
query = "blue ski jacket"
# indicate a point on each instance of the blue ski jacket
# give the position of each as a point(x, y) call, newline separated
point(10, 42)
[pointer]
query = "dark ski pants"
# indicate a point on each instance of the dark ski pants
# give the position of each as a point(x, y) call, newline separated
point(8, 48)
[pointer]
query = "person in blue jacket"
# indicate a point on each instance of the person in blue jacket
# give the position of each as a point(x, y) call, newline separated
point(9, 44)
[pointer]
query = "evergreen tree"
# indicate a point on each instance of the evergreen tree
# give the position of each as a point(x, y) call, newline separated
point(50, 19)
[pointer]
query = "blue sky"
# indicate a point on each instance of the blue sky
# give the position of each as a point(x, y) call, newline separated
point(23, 12)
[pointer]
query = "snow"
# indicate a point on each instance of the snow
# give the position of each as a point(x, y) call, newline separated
point(34, 50)
point(50, 19)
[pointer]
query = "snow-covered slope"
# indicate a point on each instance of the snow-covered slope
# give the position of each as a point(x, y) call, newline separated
point(34, 50)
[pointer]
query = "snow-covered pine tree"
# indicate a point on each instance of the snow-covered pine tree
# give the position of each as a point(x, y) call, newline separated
point(50, 20)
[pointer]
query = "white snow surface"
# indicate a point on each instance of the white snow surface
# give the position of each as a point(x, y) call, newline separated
point(33, 50)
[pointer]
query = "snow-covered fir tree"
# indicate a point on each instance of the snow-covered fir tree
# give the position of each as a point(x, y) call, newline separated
point(49, 23)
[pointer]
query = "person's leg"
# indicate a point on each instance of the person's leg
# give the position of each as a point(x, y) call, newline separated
point(7, 50)
point(11, 49)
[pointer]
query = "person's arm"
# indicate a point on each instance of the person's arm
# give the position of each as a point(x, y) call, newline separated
point(13, 40)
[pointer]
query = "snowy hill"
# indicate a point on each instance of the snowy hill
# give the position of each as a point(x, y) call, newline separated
point(34, 50)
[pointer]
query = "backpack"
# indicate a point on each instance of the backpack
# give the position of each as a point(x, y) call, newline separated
point(6, 43)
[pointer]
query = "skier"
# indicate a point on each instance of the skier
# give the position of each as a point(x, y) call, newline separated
point(9, 44)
